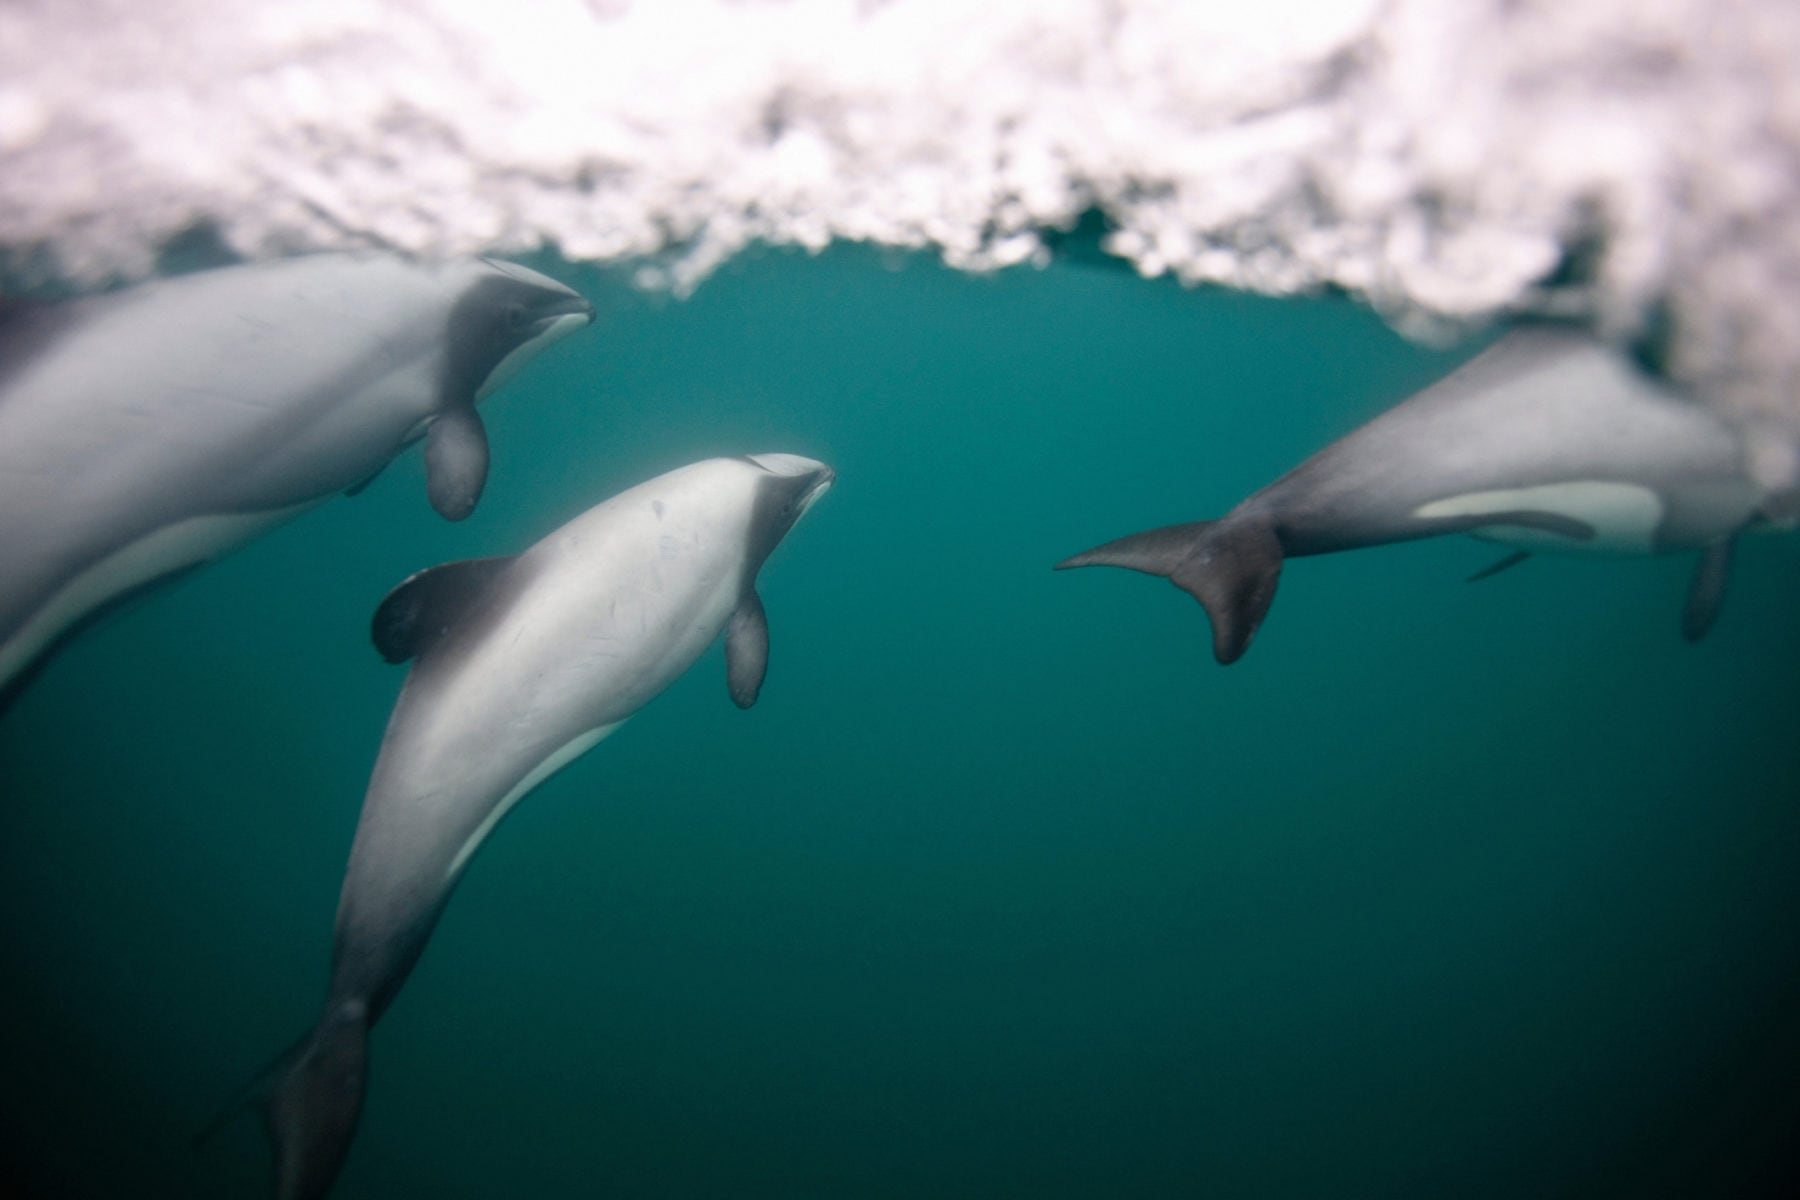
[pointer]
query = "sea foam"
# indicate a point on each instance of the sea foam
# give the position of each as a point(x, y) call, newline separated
point(1631, 161)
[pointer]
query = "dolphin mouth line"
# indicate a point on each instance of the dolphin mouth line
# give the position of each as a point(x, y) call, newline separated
point(823, 485)
point(574, 307)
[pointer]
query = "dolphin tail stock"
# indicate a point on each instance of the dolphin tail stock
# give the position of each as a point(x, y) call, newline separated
point(311, 1096)
point(1230, 566)
point(312, 1111)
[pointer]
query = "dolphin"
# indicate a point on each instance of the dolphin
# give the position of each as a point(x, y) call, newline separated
point(149, 431)
point(520, 665)
point(1546, 440)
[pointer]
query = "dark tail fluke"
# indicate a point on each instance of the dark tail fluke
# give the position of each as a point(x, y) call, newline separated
point(312, 1111)
point(1229, 566)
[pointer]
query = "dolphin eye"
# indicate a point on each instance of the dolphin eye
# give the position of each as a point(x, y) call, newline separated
point(515, 316)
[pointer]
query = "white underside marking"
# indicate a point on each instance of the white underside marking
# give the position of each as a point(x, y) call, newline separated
point(186, 543)
point(1624, 516)
point(577, 747)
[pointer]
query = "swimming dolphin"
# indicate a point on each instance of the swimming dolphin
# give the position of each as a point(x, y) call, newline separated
point(149, 431)
point(1547, 439)
point(520, 665)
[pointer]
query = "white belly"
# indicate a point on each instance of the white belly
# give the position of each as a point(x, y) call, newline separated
point(186, 543)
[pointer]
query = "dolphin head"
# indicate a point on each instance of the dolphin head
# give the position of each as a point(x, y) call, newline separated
point(504, 317)
point(791, 486)
point(786, 485)
point(782, 488)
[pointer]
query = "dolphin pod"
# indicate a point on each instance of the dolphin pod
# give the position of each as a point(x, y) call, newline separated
point(520, 665)
point(1546, 440)
point(149, 431)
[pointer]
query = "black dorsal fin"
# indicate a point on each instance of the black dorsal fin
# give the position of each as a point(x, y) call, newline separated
point(428, 603)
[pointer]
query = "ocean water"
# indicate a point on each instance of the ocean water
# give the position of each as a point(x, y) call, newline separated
point(1003, 888)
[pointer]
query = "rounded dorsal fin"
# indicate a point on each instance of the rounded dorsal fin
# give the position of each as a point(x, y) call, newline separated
point(429, 603)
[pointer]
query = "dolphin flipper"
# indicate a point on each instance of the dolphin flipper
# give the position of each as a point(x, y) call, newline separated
point(456, 461)
point(1493, 569)
point(746, 649)
point(1230, 566)
point(1707, 593)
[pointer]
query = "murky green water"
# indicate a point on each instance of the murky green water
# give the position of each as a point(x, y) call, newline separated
point(1003, 888)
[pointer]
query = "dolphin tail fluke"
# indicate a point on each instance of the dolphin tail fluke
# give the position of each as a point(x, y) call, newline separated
point(311, 1095)
point(1230, 566)
point(313, 1107)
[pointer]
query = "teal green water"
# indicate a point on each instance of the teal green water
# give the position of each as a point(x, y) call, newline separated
point(1003, 888)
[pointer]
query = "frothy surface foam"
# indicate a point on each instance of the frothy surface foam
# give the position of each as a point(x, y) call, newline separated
point(1440, 158)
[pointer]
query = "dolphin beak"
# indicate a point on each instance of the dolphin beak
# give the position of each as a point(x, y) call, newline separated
point(821, 485)
point(566, 313)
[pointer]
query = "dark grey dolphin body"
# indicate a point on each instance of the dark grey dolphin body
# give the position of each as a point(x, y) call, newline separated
point(520, 665)
point(152, 430)
point(1546, 440)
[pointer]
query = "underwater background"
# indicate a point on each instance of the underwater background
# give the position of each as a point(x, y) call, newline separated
point(1003, 888)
